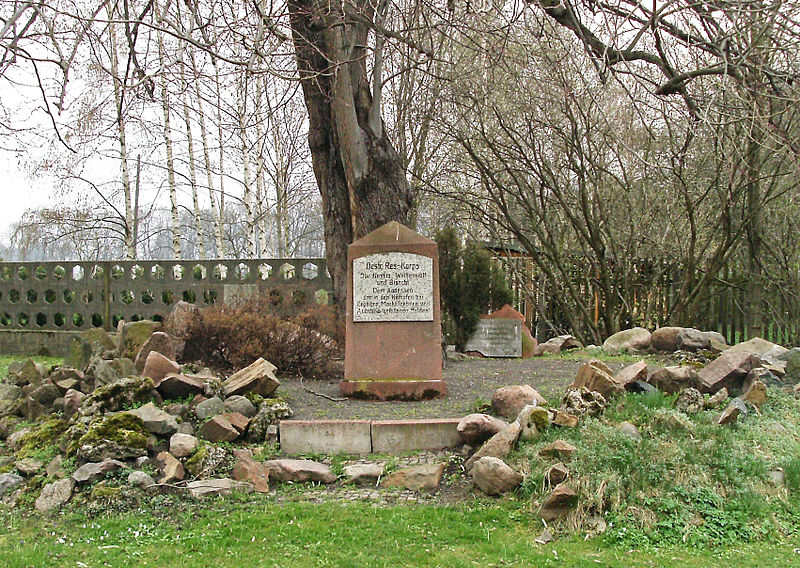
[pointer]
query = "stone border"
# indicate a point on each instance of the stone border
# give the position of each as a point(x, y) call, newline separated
point(325, 437)
point(364, 436)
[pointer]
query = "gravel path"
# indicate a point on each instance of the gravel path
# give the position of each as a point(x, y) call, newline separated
point(469, 383)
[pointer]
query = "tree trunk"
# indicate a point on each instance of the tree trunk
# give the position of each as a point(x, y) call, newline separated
point(360, 176)
point(130, 214)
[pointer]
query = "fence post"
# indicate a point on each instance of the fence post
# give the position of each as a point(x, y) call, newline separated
point(107, 296)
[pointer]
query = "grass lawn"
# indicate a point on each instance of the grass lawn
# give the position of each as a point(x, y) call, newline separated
point(244, 531)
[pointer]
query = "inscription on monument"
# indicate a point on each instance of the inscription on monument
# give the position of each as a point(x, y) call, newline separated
point(497, 338)
point(394, 286)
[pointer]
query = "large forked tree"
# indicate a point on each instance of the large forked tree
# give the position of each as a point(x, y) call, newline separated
point(361, 177)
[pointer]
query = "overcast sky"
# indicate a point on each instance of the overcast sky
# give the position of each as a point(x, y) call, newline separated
point(19, 193)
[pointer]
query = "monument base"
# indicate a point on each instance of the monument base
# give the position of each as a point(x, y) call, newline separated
point(393, 390)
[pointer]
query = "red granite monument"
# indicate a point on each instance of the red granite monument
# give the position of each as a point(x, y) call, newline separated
point(393, 348)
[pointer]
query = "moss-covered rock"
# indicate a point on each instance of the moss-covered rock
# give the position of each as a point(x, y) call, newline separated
point(209, 461)
point(118, 436)
point(270, 411)
point(43, 436)
point(121, 394)
point(133, 336)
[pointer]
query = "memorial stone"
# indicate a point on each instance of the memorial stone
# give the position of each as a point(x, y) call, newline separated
point(393, 332)
point(496, 338)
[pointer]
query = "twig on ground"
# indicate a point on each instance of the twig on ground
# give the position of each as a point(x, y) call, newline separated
point(305, 388)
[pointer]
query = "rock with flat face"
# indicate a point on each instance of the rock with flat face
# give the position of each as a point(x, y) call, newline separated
point(634, 339)
point(299, 470)
point(508, 401)
point(717, 399)
point(729, 370)
point(756, 394)
point(134, 334)
point(176, 386)
point(418, 478)
point(494, 477)
point(596, 377)
point(733, 411)
point(558, 503)
point(217, 487)
point(156, 421)
point(218, 429)
point(364, 473)
point(55, 495)
point(559, 449)
point(757, 346)
point(477, 428)
point(171, 469)
point(170, 347)
point(249, 470)
point(632, 373)
point(182, 445)
point(674, 379)
point(258, 378)
point(180, 318)
point(498, 446)
point(92, 471)
point(157, 367)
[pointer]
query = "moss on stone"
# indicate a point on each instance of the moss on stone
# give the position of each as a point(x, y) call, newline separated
point(194, 464)
point(540, 418)
point(42, 436)
point(123, 428)
point(106, 492)
point(119, 394)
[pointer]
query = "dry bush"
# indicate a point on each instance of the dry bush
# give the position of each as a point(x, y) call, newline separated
point(231, 336)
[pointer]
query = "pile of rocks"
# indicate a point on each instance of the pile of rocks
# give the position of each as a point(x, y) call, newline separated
point(745, 371)
point(130, 405)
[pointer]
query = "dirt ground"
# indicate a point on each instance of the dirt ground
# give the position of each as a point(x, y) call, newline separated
point(469, 383)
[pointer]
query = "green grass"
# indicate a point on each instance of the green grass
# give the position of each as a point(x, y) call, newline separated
point(600, 355)
point(248, 531)
point(688, 480)
point(6, 360)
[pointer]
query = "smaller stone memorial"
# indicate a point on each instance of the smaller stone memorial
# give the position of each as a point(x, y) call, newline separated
point(496, 338)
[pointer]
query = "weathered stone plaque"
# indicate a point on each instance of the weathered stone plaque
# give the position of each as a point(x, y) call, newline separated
point(393, 336)
point(497, 338)
point(395, 286)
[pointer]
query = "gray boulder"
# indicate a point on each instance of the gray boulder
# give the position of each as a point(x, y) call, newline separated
point(634, 339)
point(55, 495)
point(208, 408)
point(155, 420)
point(494, 477)
point(240, 404)
point(690, 339)
point(217, 487)
point(299, 471)
point(9, 482)
point(92, 471)
point(477, 428)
